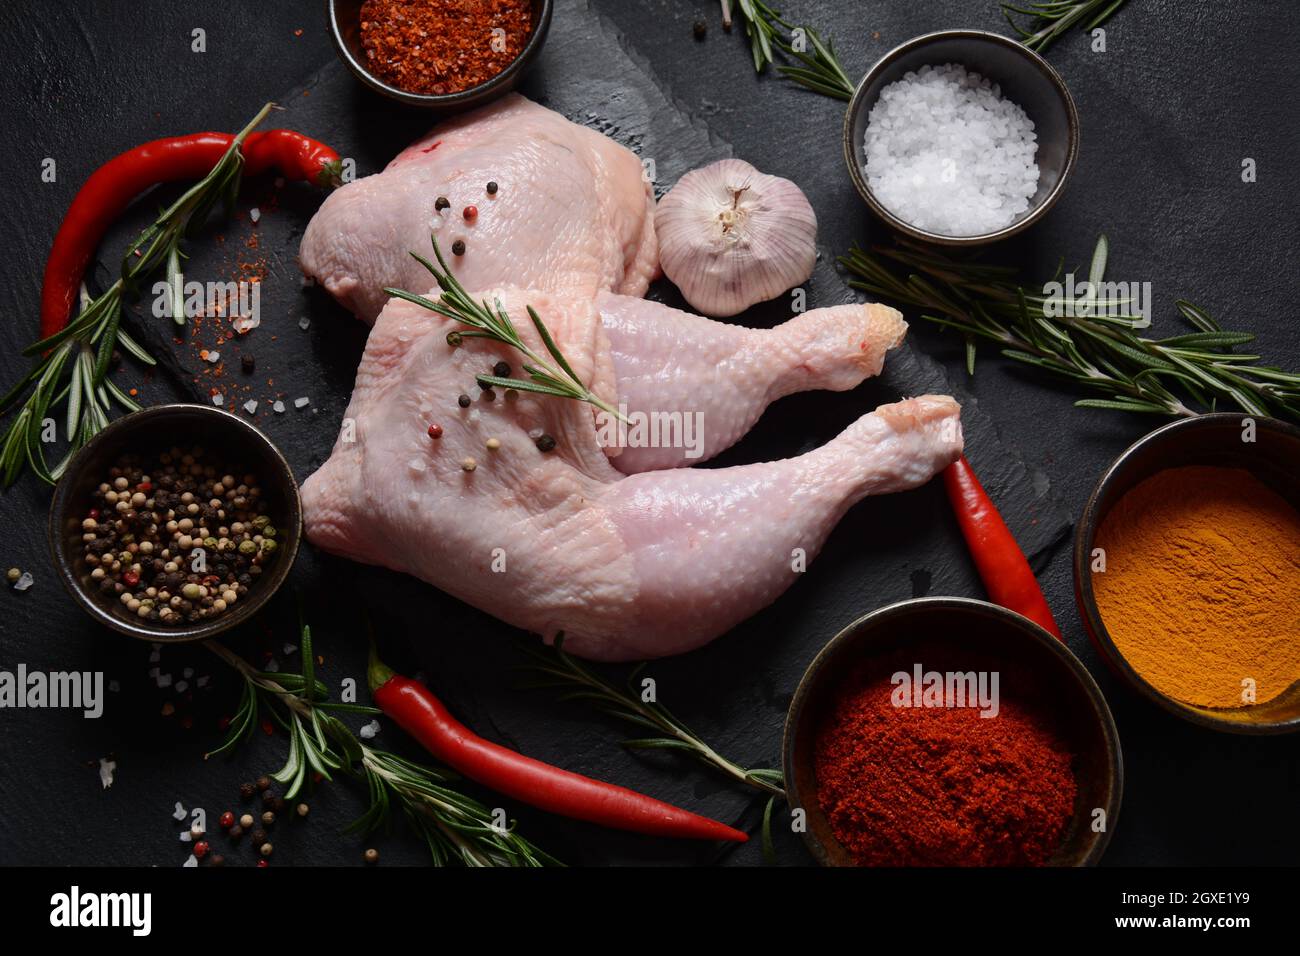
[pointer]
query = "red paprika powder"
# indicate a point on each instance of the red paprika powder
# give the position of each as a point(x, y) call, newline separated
point(942, 785)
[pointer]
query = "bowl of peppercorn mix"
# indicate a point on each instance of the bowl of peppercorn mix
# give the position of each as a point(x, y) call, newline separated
point(175, 523)
point(439, 54)
point(951, 732)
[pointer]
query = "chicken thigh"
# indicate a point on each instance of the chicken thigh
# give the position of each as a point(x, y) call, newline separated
point(573, 212)
point(626, 566)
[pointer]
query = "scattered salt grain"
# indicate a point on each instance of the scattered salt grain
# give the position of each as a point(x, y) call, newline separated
point(186, 836)
point(947, 153)
point(191, 862)
point(182, 686)
point(106, 769)
point(155, 655)
point(211, 357)
point(187, 673)
point(180, 813)
point(290, 649)
point(304, 323)
point(368, 731)
point(255, 214)
point(535, 433)
point(218, 399)
point(246, 323)
point(202, 681)
point(278, 406)
point(164, 680)
point(250, 406)
point(25, 580)
point(301, 402)
point(416, 465)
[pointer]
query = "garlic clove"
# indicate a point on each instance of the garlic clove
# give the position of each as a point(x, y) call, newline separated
point(730, 236)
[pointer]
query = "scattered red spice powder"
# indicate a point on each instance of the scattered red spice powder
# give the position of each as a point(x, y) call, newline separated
point(943, 786)
point(443, 46)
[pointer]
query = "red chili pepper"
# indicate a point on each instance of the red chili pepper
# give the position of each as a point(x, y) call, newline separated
point(112, 187)
point(1002, 566)
point(530, 781)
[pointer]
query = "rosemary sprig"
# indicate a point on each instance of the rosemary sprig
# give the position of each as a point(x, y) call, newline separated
point(1180, 376)
point(553, 376)
point(557, 669)
point(1051, 19)
point(818, 68)
point(84, 348)
point(454, 826)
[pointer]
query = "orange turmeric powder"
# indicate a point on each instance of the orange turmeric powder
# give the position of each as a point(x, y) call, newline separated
point(1201, 588)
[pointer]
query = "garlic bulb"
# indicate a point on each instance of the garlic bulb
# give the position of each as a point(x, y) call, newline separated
point(730, 236)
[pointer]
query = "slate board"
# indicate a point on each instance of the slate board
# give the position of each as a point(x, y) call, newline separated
point(733, 692)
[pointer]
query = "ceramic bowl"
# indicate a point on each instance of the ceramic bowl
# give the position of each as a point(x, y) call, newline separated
point(1084, 717)
point(1025, 78)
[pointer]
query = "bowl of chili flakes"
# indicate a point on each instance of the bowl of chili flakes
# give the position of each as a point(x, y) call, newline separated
point(439, 54)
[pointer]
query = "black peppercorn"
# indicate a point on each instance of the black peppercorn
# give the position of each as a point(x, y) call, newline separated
point(441, 203)
point(700, 28)
point(458, 247)
point(463, 401)
point(489, 395)
point(454, 339)
point(268, 799)
point(263, 783)
point(545, 443)
point(246, 363)
point(491, 188)
point(235, 832)
point(246, 791)
point(278, 804)
point(258, 837)
point(501, 370)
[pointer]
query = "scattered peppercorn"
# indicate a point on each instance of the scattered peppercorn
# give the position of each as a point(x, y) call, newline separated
point(441, 203)
point(463, 401)
point(268, 799)
point(263, 783)
point(435, 431)
point(493, 444)
point(13, 574)
point(246, 821)
point(545, 443)
point(246, 363)
point(265, 849)
point(278, 804)
point(454, 339)
point(492, 188)
point(201, 849)
point(501, 370)
point(227, 820)
point(258, 837)
point(468, 464)
point(701, 29)
point(489, 395)
point(470, 213)
point(458, 247)
point(303, 809)
point(371, 855)
point(236, 832)
point(246, 791)
point(217, 860)
point(268, 818)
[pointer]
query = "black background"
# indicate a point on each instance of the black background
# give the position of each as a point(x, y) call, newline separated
point(1183, 93)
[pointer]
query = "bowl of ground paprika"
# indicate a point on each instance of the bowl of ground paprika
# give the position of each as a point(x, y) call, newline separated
point(1187, 571)
point(951, 732)
point(439, 54)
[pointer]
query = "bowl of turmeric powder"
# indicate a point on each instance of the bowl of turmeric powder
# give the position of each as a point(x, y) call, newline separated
point(1187, 571)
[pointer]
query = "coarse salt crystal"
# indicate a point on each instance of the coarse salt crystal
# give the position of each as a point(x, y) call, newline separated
point(416, 465)
point(187, 673)
point(304, 323)
point(255, 214)
point(190, 863)
point(186, 836)
point(290, 649)
point(164, 680)
point(202, 681)
point(218, 399)
point(250, 406)
point(180, 813)
point(25, 580)
point(278, 406)
point(246, 323)
point(106, 769)
point(182, 686)
point(368, 731)
point(301, 402)
point(211, 357)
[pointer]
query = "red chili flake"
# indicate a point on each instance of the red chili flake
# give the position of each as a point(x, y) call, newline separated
point(444, 47)
point(131, 578)
point(201, 849)
point(298, 32)
point(471, 213)
point(435, 431)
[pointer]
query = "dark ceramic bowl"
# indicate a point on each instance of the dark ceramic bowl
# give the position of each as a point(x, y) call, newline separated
point(1273, 458)
point(156, 429)
point(1025, 78)
point(1007, 637)
point(345, 29)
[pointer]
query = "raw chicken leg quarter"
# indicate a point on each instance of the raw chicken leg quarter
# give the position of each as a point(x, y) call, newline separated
point(628, 555)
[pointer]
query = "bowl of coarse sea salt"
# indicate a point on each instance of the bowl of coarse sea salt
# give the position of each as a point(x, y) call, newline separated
point(961, 137)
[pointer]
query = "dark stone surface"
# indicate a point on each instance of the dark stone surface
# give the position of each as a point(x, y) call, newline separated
point(1168, 112)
